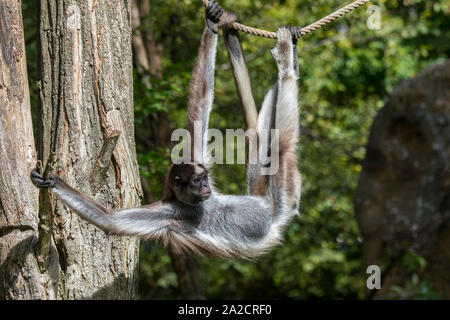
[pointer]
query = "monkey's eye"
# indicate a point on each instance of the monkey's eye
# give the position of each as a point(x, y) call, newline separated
point(176, 179)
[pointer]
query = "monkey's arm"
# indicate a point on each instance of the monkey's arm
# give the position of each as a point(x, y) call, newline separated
point(147, 221)
point(201, 93)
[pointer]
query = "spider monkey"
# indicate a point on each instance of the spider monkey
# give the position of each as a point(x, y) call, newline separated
point(192, 215)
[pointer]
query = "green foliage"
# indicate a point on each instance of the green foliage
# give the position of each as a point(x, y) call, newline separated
point(162, 94)
point(415, 287)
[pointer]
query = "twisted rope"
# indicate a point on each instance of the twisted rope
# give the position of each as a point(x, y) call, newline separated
point(313, 26)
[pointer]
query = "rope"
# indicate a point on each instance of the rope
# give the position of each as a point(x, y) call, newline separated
point(313, 26)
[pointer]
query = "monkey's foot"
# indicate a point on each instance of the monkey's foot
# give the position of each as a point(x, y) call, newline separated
point(39, 180)
point(283, 50)
point(296, 33)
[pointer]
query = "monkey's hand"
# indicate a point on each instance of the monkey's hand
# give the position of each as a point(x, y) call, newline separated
point(216, 17)
point(40, 182)
point(283, 50)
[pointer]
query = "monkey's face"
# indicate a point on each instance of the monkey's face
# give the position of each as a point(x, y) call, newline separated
point(189, 183)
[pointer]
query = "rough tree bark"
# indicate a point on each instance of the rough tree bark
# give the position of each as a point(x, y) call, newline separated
point(403, 198)
point(20, 272)
point(86, 109)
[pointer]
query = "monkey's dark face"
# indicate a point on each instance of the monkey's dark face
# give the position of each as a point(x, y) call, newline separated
point(189, 183)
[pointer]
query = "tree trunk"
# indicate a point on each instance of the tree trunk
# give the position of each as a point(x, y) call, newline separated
point(86, 109)
point(20, 275)
point(186, 268)
point(139, 51)
point(154, 49)
point(403, 198)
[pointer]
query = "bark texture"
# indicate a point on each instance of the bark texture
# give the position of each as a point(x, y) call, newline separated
point(86, 99)
point(20, 275)
point(403, 198)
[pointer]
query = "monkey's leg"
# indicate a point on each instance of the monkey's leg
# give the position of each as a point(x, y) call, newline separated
point(256, 181)
point(285, 184)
